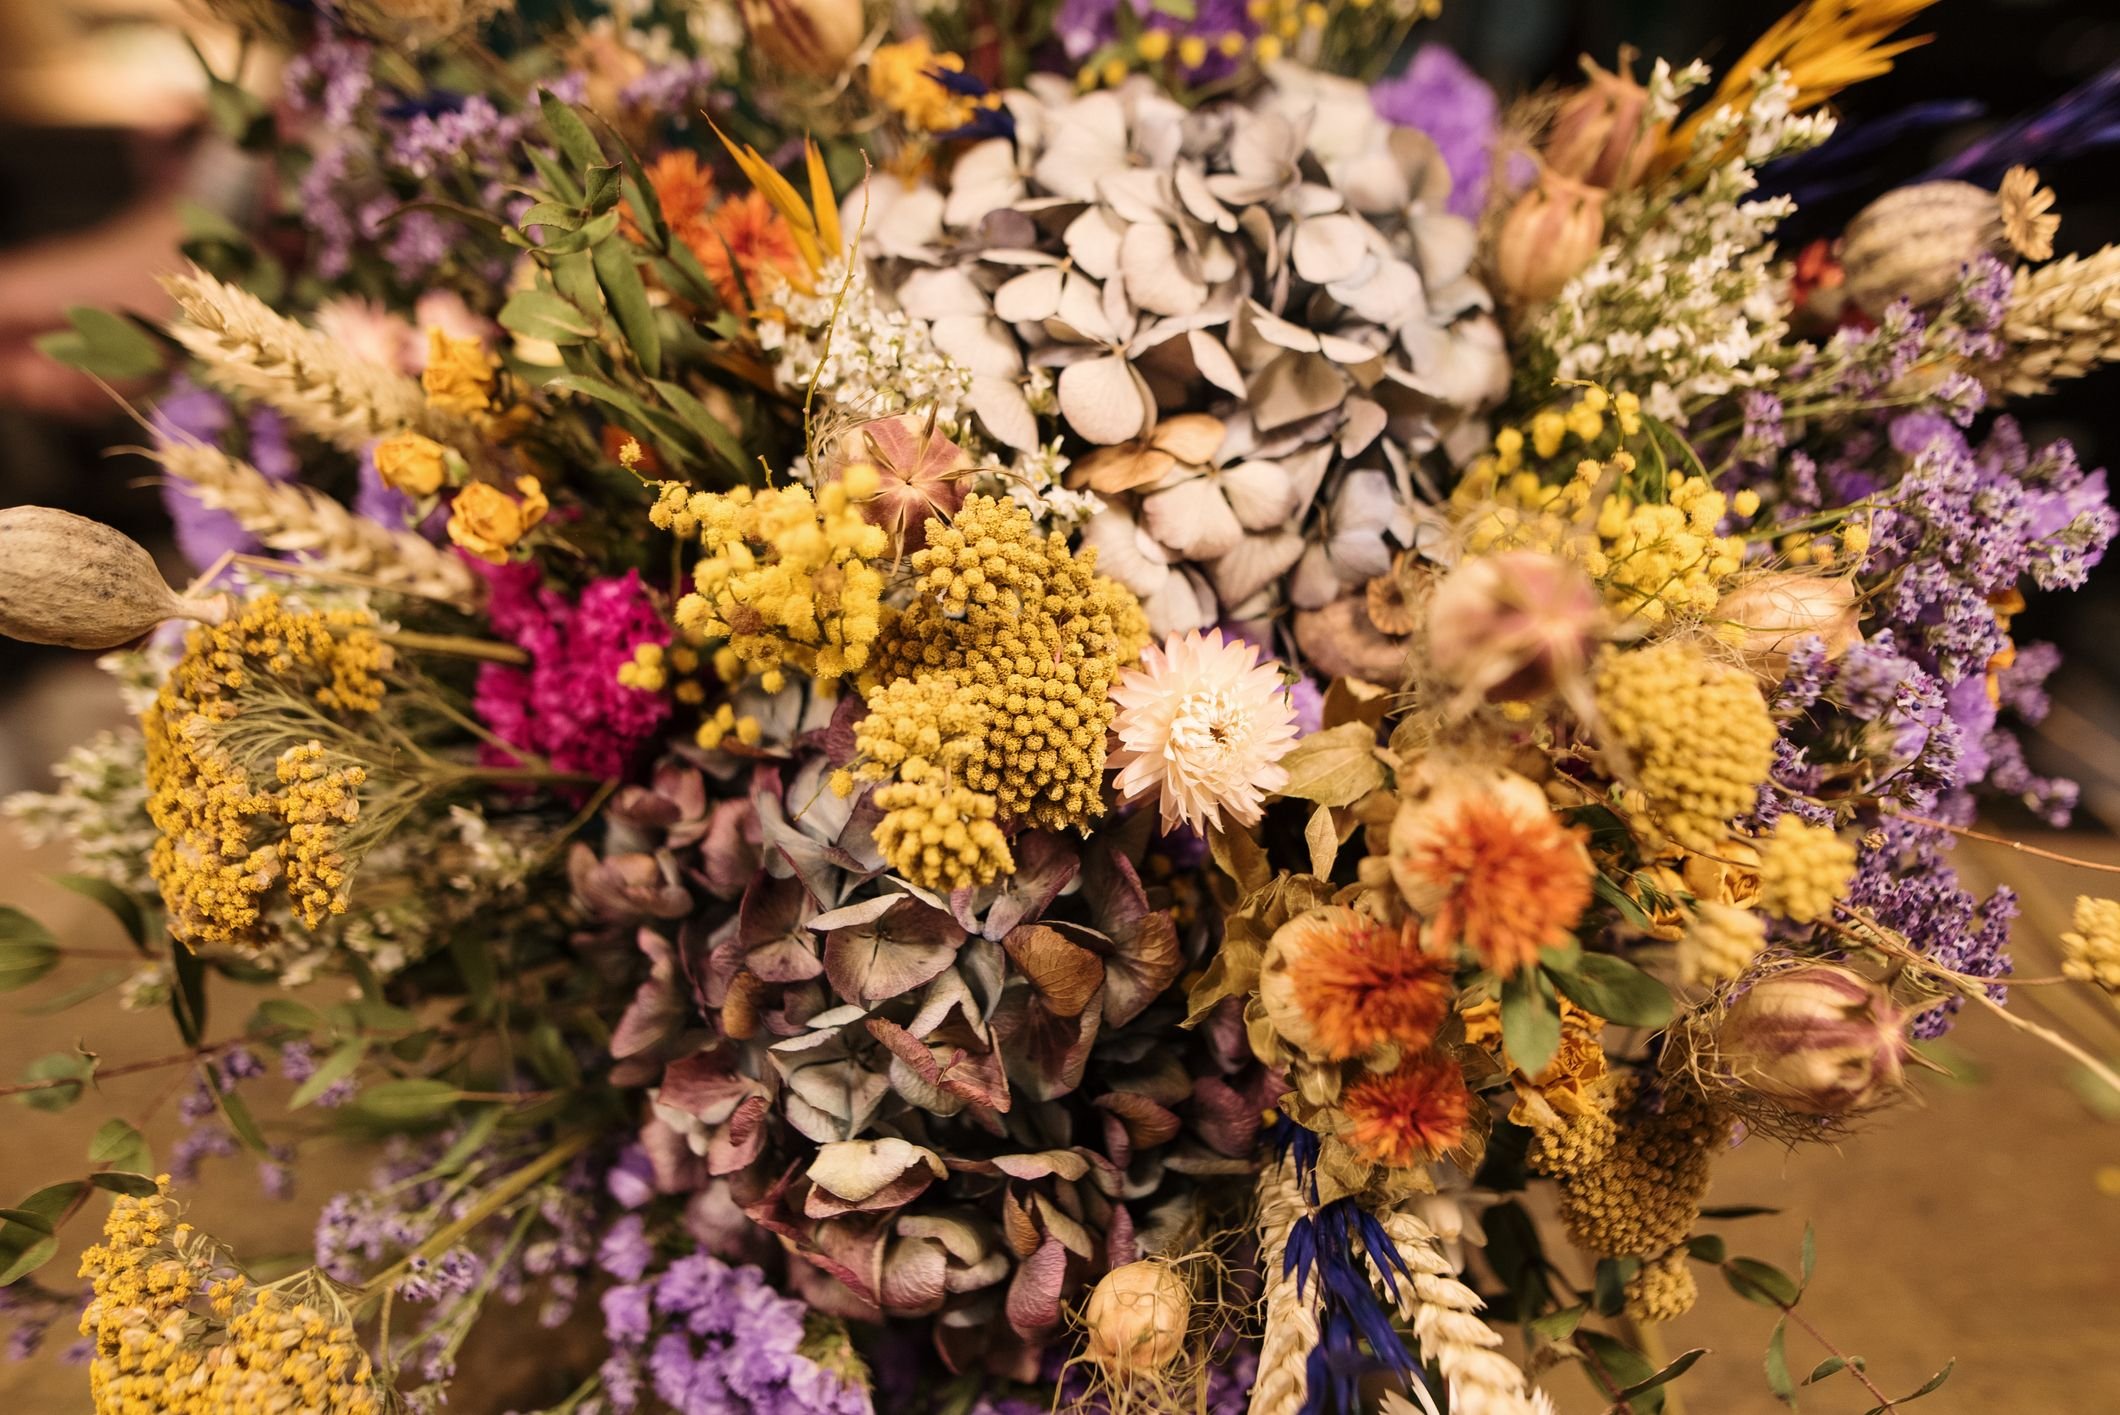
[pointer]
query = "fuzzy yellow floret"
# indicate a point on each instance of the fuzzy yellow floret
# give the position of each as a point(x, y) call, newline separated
point(1697, 733)
point(1804, 870)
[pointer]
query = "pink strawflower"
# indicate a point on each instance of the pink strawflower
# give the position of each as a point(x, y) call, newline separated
point(1201, 725)
point(568, 706)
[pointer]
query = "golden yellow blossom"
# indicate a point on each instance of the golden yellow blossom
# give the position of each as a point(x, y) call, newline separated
point(942, 836)
point(1697, 734)
point(1804, 870)
point(410, 463)
point(787, 580)
point(900, 78)
point(1720, 944)
point(459, 374)
point(489, 522)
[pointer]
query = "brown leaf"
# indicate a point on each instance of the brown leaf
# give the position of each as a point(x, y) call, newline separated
point(1066, 975)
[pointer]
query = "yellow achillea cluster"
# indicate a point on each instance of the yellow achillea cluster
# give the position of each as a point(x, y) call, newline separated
point(1631, 1186)
point(996, 679)
point(1720, 944)
point(944, 836)
point(1649, 542)
point(2091, 951)
point(1804, 870)
point(787, 580)
point(158, 1353)
point(1697, 733)
point(227, 840)
point(901, 78)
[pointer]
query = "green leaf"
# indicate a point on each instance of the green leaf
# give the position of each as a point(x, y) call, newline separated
point(1810, 1253)
point(1619, 899)
point(26, 1241)
point(1336, 767)
point(1928, 1387)
point(619, 274)
point(1825, 1368)
point(24, 959)
point(75, 1069)
point(330, 1071)
point(188, 998)
point(592, 233)
point(119, 1181)
point(1623, 1366)
point(284, 1014)
point(1737, 1211)
point(51, 1201)
point(1761, 1282)
point(110, 346)
point(540, 314)
point(555, 175)
point(74, 996)
point(34, 1222)
point(645, 205)
point(473, 957)
point(550, 1056)
point(643, 421)
point(712, 430)
point(239, 1117)
point(120, 902)
point(601, 190)
point(1776, 1364)
point(409, 1102)
point(1531, 1020)
point(553, 216)
point(1707, 1247)
point(576, 142)
point(1558, 1326)
point(1609, 1287)
point(117, 1145)
point(28, 1259)
point(1680, 1364)
point(1611, 987)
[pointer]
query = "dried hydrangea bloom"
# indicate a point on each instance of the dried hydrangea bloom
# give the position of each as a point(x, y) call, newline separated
point(1202, 726)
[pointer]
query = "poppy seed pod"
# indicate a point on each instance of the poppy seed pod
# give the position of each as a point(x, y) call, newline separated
point(67, 580)
point(1137, 1317)
point(1912, 243)
point(1548, 237)
point(1817, 1039)
point(1601, 135)
point(814, 38)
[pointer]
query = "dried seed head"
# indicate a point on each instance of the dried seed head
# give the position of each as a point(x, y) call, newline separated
point(67, 580)
point(1911, 243)
point(1137, 1317)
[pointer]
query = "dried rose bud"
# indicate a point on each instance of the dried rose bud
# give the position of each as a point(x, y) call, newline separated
point(1548, 237)
point(1765, 617)
point(1137, 1317)
point(1818, 1039)
point(1601, 135)
point(67, 580)
point(921, 474)
point(1511, 626)
point(811, 37)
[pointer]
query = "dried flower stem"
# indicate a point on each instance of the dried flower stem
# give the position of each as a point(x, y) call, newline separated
point(458, 646)
point(1968, 833)
point(288, 516)
point(1444, 1315)
point(1282, 1384)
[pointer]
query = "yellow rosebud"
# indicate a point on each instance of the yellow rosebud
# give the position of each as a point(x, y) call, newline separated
point(488, 522)
point(411, 463)
point(1192, 51)
point(1268, 48)
point(459, 375)
point(810, 37)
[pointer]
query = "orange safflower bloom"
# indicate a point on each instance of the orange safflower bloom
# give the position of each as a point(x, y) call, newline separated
point(1490, 865)
point(682, 189)
point(1357, 983)
point(1415, 1113)
point(746, 237)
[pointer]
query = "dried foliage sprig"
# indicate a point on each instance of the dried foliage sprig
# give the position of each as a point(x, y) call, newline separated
point(289, 516)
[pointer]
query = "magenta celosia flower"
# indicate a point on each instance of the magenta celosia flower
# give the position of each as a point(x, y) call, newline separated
point(568, 706)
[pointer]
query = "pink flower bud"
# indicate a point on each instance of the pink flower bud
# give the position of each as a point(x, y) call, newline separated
point(1511, 626)
point(1601, 135)
point(1817, 1039)
point(1548, 237)
point(811, 37)
point(1765, 617)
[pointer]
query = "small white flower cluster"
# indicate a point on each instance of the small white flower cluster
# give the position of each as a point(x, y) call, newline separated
point(99, 809)
point(1684, 303)
point(879, 361)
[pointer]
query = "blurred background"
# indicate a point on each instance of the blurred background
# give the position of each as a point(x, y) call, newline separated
point(1983, 1225)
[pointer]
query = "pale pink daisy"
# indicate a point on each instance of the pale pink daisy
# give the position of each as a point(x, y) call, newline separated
point(1202, 724)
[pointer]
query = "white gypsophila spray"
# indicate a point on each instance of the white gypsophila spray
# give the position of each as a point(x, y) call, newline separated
point(868, 359)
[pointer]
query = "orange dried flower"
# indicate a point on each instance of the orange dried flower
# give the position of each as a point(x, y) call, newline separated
point(1491, 866)
point(1355, 984)
point(745, 238)
point(1412, 1114)
point(682, 189)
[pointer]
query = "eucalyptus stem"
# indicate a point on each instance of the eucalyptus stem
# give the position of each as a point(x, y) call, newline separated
point(499, 1197)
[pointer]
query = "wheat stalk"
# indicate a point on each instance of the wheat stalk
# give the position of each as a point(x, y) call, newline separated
point(2063, 321)
point(248, 348)
point(289, 516)
point(1291, 1319)
point(1443, 1313)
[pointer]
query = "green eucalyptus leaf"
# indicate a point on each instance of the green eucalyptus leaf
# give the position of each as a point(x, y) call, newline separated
point(1611, 987)
point(1776, 1364)
point(73, 1069)
point(1624, 1367)
point(1761, 1282)
point(1825, 1368)
point(1680, 1364)
point(187, 999)
point(1558, 1326)
point(21, 1263)
point(1707, 1247)
point(119, 1181)
point(1928, 1387)
point(119, 1146)
point(25, 961)
point(1531, 1020)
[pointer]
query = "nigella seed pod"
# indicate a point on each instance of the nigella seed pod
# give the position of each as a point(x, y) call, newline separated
point(1547, 238)
point(1137, 1317)
point(1818, 1039)
point(814, 38)
point(1765, 617)
point(1601, 135)
point(1911, 243)
point(77, 583)
point(1511, 626)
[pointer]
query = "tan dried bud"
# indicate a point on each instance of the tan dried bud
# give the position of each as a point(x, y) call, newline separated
point(1512, 625)
point(815, 38)
point(1601, 135)
point(1911, 243)
point(1137, 1317)
point(1819, 1039)
point(1767, 616)
point(1548, 237)
point(67, 580)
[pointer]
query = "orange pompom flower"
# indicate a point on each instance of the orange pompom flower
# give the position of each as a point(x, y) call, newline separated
point(1487, 862)
point(747, 238)
point(1338, 984)
point(1415, 1113)
point(683, 188)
